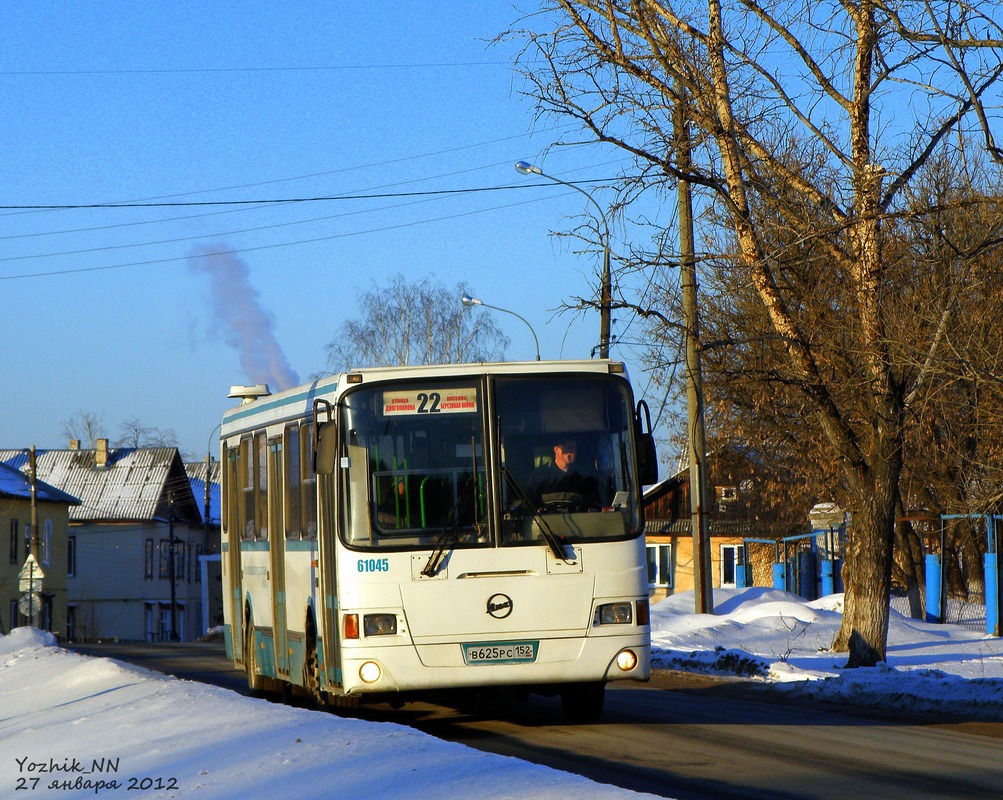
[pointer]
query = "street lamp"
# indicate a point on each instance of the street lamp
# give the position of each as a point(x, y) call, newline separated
point(605, 292)
point(467, 300)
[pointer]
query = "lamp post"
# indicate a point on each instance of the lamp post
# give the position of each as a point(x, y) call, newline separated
point(467, 300)
point(605, 291)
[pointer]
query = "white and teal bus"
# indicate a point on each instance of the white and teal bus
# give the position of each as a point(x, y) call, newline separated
point(386, 533)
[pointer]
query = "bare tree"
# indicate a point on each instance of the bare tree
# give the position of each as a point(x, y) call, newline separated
point(133, 433)
point(419, 322)
point(819, 116)
point(85, 427)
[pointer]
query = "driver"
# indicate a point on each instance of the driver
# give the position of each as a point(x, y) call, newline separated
point(563, 477)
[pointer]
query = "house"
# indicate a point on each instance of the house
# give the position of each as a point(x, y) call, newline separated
point(136, 511)
point(51, 547)
point(204, 477)
point(739, 513)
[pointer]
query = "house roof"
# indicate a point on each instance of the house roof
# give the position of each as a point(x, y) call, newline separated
point(196, 476)
point(15, 484)
point(134, 484)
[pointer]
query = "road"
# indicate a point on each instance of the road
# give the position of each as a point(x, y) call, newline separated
point(685, 737)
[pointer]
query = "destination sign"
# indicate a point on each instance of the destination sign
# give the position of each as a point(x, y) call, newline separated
point(408, 402)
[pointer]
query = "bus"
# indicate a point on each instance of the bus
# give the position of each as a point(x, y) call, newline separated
point(389, 532)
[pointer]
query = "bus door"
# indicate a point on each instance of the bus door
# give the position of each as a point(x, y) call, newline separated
point(277, 548)
point(233, 527)
point(326, 465)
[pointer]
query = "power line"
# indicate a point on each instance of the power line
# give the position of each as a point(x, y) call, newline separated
point(326, 173)
point(224, 70)
point(242, 250)
point(273, 200)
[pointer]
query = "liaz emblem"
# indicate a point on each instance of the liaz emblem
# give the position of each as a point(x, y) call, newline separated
point(499, 606)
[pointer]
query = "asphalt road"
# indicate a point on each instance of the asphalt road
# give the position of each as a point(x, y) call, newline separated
point(686, 737)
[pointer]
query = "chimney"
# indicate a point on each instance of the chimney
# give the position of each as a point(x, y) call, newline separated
point(101, 454)
point(74, 444)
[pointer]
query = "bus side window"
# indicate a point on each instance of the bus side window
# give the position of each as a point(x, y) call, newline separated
point(355, 491)
point(308, 483)
point(292, 479)
point(245, 469)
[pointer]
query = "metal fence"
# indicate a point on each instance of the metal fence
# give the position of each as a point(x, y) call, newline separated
point(963, 564)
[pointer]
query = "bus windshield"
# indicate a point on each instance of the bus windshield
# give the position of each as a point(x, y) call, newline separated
point(415, 466)
point(567, 456)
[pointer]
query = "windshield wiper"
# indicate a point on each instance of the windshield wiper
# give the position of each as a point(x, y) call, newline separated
point(439, 551)
point(552, 540)
point(448, 536)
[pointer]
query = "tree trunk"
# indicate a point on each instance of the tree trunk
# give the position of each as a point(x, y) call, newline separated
point(868, 568)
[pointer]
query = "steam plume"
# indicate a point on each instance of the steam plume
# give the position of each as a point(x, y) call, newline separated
point(245, 324)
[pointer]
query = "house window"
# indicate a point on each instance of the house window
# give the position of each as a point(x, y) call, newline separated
point(14, 614)
point(46, 544)
point(179, 560)
point(730, 564)
point(659, 566)
point(148, 574)
point(13, 541)
point(165, 559)
point(726, 497)
point(71, 556)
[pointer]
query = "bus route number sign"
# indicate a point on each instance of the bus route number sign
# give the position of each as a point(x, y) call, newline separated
point(418, 402)
point(500, 653)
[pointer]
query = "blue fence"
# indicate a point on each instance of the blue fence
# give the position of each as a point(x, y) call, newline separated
point(810, 566)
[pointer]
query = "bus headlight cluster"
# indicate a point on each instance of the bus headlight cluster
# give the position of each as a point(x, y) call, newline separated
point(626, 660)
point(370, 672)
point(614, 614)
point(379, 624)
point(372, 625)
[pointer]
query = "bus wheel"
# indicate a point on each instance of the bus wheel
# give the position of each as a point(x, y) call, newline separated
point(583, 702)
point(311, 667)
point(255, 681)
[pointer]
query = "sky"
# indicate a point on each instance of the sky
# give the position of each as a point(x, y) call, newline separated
point(152, 311)
point(61, 705)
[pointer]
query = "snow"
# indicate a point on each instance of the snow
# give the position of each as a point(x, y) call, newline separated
point(168, 738)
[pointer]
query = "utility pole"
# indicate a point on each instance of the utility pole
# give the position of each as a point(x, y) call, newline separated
point(170, 550)
point(702, 584)
point(205, 517)
point(33, 483)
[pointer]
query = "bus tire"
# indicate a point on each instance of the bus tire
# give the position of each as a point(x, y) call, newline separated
point(255, 681)
point(583, 702)
point(311, 667)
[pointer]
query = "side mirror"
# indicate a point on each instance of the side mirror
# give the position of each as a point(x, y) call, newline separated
point(325, 443)
point(647, 455)
point(325, 455)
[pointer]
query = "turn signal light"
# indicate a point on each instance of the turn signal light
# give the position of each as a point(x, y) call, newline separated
point(351, 626)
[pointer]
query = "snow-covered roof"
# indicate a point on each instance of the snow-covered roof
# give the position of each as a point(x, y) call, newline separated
point(196, 475)
point(15, 484)
point(132, 485)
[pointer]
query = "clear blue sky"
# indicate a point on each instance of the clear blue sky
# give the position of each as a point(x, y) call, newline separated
point(194, 101)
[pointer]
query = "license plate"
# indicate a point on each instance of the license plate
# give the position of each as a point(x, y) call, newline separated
point(500, 653)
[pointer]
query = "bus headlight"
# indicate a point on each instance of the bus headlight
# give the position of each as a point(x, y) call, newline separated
point(370, 672)
point(614, 614)
point(380, 624)
point(626, 660)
